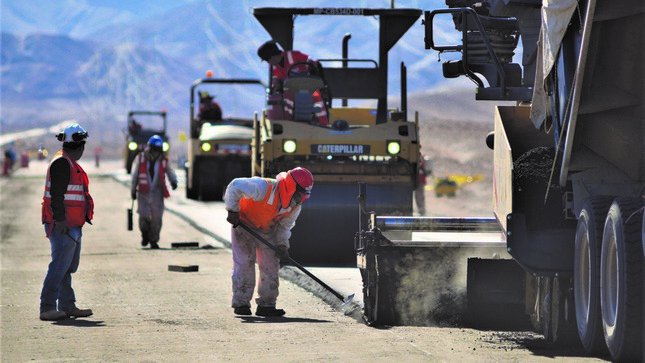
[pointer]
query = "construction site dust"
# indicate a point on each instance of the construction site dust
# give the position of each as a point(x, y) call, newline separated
point(427, 286)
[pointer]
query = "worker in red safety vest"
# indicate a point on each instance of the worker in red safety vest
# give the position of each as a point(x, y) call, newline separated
point(149, 173)
point(66, 206)
point(281, 62)
point(270, 207)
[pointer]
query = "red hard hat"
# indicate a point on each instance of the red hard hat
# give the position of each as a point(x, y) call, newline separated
point(304, 179)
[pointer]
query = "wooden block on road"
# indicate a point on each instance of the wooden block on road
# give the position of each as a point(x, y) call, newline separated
point(184, 245)
point(183, 268)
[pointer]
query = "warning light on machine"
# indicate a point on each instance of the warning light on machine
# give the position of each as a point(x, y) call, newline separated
point(289, 146)
point(393, 147)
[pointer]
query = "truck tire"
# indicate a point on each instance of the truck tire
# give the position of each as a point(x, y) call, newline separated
point(192, 192)
point(620, 280)
point(586, 273)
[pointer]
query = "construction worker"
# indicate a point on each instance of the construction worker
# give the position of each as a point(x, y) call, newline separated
point(209, 110)
point(149, 173)
point(282, 62)
point(270, 207)
point(67, 205)
point(422, 179)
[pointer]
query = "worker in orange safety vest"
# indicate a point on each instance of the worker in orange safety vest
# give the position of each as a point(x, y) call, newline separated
point(282, 62)
point(66, 206)
point(149, 173)
point(270, 207)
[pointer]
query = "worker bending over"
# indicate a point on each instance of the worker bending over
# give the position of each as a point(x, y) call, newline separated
point(270, 207)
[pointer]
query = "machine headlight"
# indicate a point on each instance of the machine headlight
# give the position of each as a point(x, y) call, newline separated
point(289, 146)
point(206, 147)
point(133, 146)
point(166, 147)
point(393, 147)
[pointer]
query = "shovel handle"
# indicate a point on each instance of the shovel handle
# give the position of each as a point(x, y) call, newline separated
point(294, 262)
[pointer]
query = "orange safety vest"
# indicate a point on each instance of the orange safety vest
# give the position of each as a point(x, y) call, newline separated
point(78, 203)
point(143, 186)
point(263, 215)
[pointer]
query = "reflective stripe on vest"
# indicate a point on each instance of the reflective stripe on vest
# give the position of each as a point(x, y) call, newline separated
point(76, 200)
point(290, 58)
point(264, 214)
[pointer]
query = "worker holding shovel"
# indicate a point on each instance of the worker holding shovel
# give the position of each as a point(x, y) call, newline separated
point(149, 172)
point(269, 207)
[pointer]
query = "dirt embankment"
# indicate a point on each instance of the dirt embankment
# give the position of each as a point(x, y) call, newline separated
point(453, 128)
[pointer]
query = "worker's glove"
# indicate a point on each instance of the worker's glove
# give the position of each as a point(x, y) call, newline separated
point(283, 252)
point(61, 227)
point(233, 218)
point(173, 185)
point(133, 196)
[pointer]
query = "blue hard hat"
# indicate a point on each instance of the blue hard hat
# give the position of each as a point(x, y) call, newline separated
point(155, 141)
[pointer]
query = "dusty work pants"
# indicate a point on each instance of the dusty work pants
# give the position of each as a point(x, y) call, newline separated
point(420, 199)
point(66, 254)
point(245, 253)
point(150, 208)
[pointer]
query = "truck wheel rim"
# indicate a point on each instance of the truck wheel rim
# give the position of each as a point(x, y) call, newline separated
point(583, 280)
point(609, 283)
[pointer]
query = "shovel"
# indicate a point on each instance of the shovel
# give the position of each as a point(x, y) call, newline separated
point(130, 224)
point(346, 301)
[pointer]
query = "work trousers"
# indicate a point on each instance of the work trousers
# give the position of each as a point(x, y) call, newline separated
point(420, 199)
point(66, 254)
point(246, 251)
point(150, 208)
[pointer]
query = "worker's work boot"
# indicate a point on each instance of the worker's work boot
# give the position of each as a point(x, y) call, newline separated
point(79, 313)
point(269, 311)
point(154, 246)
point(52, 315)
point(242, 310)
point(144, 243)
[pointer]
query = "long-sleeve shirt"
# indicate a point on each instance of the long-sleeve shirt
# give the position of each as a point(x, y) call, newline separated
point(153, 174)
point(256, 188)
point(59, 173)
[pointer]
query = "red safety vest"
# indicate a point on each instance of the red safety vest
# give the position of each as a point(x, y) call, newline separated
point(78, 203)
point(290, 58)
point(263, 215)
point(143, 186)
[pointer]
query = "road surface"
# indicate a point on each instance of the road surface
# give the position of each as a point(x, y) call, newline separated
point(143, 312)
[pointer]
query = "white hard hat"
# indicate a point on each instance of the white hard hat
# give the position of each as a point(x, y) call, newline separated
point(72, 133)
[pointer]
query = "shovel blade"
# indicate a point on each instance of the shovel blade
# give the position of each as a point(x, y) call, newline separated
point(347, 306)
point(130, 224)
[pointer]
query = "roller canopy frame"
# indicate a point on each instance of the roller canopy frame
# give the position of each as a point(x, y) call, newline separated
point(197, 82)
point(393, 23)
point(163, 115)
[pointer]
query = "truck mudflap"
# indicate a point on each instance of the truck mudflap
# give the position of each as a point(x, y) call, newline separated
point(428, 279)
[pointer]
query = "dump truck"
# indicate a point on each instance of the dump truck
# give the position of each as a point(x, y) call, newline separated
point(219, 146)
point(140, 126)
point(569, 164)
point(375, 145)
